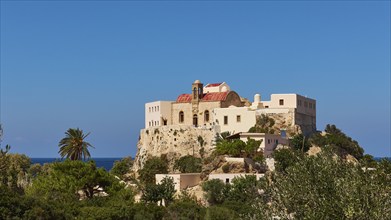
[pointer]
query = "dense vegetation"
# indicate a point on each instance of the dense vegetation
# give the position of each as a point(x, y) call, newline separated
point(188, 164)
point(324, 186)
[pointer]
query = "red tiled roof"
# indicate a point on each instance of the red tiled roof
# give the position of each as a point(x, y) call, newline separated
point(213, 84)
point(208, 97)
point(184, 98)
point(215, 96)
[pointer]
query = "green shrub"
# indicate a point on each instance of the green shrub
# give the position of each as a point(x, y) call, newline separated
point(225, 168)
point(188, 164)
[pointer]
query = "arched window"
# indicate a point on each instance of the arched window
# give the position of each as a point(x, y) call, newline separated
point(195, 93)
point(181, 117)
point(206, 116)
point(195, 120)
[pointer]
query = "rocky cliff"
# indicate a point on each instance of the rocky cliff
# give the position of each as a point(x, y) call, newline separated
point(173, 142)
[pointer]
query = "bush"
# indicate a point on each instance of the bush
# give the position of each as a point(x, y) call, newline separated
point(225, 168)
point(339, 141)
point(325, 187)
point(184, 210)
point(164, 191)
point(153, 166)
point(122, 166)
point(215, 191)
point(188, 164)
point(285, 158)
point(300, 142)
point(220, 213)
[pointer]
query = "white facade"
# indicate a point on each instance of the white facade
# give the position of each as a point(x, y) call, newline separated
point(234, 119)
point(157, 113)
point(228, 177)
point(241, 119)
point(181, 180)
point(300, 103)
point(217, 87)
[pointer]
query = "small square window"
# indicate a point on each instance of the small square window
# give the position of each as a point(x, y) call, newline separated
point(225, 120)
point(238, 118)
point(281, 101)
point(227, 180)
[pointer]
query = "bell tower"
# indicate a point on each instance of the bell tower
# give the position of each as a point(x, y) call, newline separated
point(197, 91)
point(196, 95)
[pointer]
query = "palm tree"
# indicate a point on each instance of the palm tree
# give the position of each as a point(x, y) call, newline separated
point(73, 145)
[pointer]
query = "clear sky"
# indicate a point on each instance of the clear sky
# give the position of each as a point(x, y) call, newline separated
point(93, 64)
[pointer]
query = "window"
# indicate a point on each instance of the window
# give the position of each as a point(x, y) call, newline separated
point(266, 106)
point(299, 102)
point(226, 180)
point(149, 124)
point(310, 105)
point(268, 141)
point(181, 117)
point(206, 116)
point(195, 93)
point(149, 109)
point(238, 118)
point(305, 104)
point(281, 101)
point(158, 108)
point(225, 120)
point(314, 105)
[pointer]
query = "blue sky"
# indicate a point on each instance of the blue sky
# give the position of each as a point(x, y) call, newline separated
point(93, 64)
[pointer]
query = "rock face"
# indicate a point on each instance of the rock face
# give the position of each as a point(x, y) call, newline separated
point(290, 120)
point(174, 141)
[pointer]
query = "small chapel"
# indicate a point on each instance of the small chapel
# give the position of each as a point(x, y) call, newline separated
point(194, 108)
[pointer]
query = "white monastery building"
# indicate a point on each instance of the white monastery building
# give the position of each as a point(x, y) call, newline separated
point(217, 106)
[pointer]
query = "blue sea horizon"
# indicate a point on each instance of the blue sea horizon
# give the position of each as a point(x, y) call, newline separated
point(104, 162)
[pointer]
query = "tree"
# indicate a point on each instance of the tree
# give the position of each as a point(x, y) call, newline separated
point(73, 145)
point(285, 158)
point(327, 187)
point(216, 191)
point(122, 167)
point(252, 146)
point(13, 169)
point(152, 167)
point(230, 147)
point(65, 178)
point(339, 141)
point(188, 164)
point(244, 189)
point(300, 142)
point(161, 192)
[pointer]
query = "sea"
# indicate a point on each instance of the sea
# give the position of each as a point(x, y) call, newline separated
point(106, 163)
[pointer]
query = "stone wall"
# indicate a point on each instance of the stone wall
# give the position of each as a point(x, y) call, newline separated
point(173, 141)
point(290, 120)
point(188, 112)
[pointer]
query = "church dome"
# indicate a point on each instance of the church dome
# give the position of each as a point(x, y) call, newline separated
point(197, 81)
